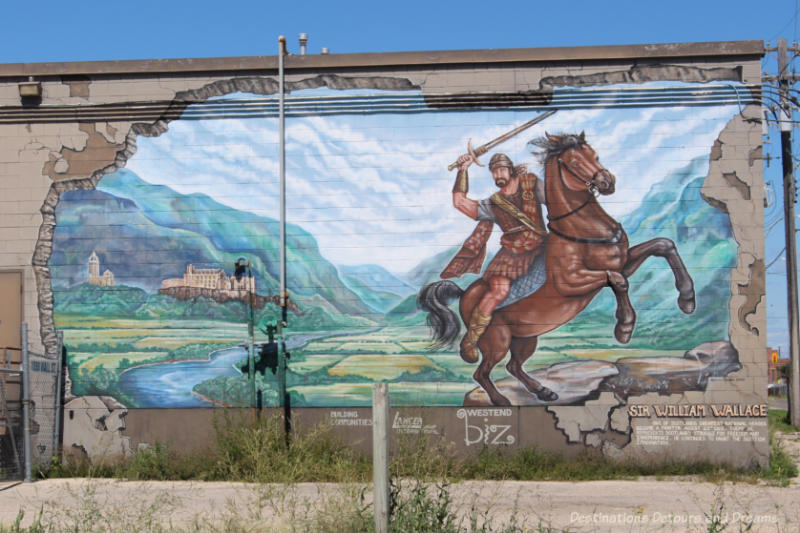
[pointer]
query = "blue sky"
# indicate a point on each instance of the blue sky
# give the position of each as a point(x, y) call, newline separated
point(92, 29)
point(95, 30)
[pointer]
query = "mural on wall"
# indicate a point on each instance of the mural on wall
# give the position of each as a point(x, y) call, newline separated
point(154, 314)
point(586, 250)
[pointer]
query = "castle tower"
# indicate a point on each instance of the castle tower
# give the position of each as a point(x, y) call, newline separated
point(106, 280)
point(94, 269)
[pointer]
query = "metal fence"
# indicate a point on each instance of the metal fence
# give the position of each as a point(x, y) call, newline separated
point(11, 445)
point(30, 409)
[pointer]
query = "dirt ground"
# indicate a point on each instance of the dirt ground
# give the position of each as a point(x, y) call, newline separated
point(647, 504)
point(644, 505)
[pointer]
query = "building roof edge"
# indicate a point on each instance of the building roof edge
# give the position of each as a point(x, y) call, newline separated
point(378, 60)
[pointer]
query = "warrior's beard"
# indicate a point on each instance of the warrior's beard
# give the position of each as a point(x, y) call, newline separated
point(501, 182)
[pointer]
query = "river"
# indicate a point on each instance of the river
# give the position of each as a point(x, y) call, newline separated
point(170, 384)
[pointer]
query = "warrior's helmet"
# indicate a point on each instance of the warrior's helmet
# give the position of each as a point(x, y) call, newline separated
point(500, 160)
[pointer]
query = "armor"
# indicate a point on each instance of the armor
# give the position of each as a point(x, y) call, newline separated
point(520, 243)
point(462, 182)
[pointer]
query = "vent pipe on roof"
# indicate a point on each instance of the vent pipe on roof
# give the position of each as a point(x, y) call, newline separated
point(324, 50)
point(303, 38)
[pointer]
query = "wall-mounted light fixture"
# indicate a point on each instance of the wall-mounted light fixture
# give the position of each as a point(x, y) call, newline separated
point(30, 90)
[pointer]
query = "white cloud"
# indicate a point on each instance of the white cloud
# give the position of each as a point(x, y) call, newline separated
point(375, 188)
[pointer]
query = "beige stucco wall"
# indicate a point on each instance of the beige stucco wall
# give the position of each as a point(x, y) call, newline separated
point(36, 155)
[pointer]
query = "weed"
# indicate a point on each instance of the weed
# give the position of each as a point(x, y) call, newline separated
point(16, 527)
point(346, 512)
point(158, 462)
point(421, 456)
point(86, 511)
point(256, 451)
point(782, 467)
point(779, 421)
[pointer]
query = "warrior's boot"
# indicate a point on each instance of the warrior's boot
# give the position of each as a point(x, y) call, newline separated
point(478, 322)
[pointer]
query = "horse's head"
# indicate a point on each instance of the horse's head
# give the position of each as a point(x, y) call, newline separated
point(577, 162)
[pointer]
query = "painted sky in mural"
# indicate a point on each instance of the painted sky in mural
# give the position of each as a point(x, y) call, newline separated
point(371, 220)
point(353, 180)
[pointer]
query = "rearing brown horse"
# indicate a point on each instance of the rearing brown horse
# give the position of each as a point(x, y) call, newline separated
point(587, 250)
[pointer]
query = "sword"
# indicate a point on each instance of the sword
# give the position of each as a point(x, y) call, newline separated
point(479, 151)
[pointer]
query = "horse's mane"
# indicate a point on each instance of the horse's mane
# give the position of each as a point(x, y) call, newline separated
point(544, 148)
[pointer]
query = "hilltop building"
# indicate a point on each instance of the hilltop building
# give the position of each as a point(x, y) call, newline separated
point(106, 280)
point(210, 278)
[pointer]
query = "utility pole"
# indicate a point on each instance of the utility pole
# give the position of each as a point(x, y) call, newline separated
point(788, 208)
point(283, 396)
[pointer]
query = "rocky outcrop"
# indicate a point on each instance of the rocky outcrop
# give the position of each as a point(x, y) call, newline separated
point(575, 382)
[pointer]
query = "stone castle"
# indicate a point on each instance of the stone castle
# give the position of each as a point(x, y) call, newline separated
point(210, 278)
point(106, 280)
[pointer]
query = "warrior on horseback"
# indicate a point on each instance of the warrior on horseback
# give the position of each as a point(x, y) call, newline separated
point(517, 209)
point(587, 251)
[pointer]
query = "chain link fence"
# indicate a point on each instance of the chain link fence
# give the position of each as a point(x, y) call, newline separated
point(30, 402)
point(11, 446)
point(43, 405)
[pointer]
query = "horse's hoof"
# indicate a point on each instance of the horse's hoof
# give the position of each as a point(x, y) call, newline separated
point(501, 401)
point(623, 333)
point(546, 395)
point(688, 304)
point(469, 353)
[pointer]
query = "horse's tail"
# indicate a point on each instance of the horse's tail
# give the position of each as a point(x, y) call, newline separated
point(444, 323)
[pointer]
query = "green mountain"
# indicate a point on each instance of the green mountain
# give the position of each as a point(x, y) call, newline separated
point(673, 208)
point(147, 233)
point(377, 287)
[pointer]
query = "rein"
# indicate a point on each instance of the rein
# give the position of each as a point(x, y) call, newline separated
point(591, 185)
point(592, 188)
point(589, 240)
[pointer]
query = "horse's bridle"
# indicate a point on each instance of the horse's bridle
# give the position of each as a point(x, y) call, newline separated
point(591, 186)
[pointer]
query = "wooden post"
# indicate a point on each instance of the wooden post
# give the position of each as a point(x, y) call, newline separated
point(380, 455)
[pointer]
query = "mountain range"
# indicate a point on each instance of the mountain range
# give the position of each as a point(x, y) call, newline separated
point(145, 233)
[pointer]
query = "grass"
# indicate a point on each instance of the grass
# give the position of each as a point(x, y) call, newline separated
point(248, 449)
point(255, 450)
point(415, 508)
point(377, 367)
point(336, 371)
point(779, 421)
point(782, 466)
point(111, 360)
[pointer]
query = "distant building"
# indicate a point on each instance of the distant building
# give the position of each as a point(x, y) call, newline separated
point(776, 379)
point(774, 364)
point(106, 280)
point(210, 278)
